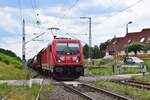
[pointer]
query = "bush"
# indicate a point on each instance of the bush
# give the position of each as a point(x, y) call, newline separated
point(11, 60)
point(101, 62)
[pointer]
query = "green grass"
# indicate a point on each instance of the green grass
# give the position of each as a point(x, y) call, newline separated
point(145, 78)
point(99, 62)
point(10, 60)
point(109, 71)
point(45, 90)
point(147, 62)
point(24, 92)
point(11, 68)
point(98, 72)
point(128, 70)
point(19, 92)
point(10, 72)
point(134, 93)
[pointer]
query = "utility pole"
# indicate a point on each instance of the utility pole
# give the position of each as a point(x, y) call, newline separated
point(23, 43)
point(114, 48)
point(130, 22)
point(90, 38)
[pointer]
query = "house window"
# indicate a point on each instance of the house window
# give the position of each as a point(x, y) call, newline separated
point(142, 39)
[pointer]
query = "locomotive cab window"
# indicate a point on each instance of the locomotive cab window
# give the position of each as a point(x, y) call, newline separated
point(67, 48)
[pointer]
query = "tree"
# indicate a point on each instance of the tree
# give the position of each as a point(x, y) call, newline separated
point(85, 50)
point(135, 47)
point(95, 52)
point(102, 48)
point(9, 53)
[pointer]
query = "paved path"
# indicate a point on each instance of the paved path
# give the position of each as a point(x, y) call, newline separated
point(22, 82)
point(46, 81)
point(113, 77)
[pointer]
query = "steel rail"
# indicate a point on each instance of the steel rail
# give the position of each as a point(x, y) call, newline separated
point(133, 85)
point(6, 96)
point(78, 92)
point(138, 82)
point(38, 94)
point(120, 97)
point(99, 90)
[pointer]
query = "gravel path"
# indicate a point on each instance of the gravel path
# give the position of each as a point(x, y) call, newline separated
point(59, 93)
point(113, 77)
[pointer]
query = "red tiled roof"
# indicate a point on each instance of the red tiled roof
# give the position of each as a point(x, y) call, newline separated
point(119, 44)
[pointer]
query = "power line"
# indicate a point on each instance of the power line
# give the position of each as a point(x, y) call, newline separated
point(20, 9)
point(34, 2)
point(60, 20)
point(61, 9)
point(108, 8)
point(75, 38)
point(34, 7)
point(130, 6)
point(35, 37)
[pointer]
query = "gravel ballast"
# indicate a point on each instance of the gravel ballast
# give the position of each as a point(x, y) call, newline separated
point(59, 93)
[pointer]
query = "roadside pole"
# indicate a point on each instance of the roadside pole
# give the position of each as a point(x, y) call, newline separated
point(23, 44)
point(143, 69)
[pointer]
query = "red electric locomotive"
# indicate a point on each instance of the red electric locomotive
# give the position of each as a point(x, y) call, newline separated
point(62, 58)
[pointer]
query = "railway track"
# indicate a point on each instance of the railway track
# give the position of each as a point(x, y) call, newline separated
point(89, 92)
point(133, 83)
point(38, 94)
point(6, 96)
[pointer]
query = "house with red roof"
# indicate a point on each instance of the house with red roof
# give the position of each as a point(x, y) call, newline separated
point(120, 44)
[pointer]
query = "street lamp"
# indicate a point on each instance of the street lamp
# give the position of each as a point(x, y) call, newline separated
point(130, 22)
point(90, 37)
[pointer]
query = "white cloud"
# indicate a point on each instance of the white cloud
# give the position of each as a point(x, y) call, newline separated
point(7, 22)
point(13, 44)
point(101, 29)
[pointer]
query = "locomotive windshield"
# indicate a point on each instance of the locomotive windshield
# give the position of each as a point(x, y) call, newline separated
point(67, 48)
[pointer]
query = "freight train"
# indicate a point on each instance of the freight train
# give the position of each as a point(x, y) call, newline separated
point(61, 59)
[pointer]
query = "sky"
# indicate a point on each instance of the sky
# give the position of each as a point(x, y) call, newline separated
point(109, 19)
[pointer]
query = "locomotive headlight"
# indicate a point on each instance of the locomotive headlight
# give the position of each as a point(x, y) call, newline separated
point(60, 59)
point(76, 59)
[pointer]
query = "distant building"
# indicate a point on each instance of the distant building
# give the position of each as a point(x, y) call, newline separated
point(120, 44)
